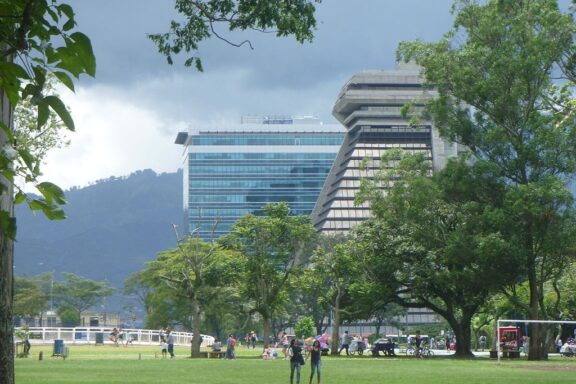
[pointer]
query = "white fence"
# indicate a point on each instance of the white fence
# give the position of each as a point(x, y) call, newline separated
point(92, 335)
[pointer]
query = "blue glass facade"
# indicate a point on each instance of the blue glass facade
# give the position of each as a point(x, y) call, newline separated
point(232, 171)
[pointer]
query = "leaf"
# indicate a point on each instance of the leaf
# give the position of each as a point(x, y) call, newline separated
point(51, 211)
point(30, 90)
point(19, 198)
point(84, 52)
point(52, 192)
point(58, 106)
point(65, 79)
point(27, 158)
point(39, 76)
point(43, 113)
point(10, 81)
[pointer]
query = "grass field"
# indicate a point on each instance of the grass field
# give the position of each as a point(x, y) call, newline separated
point(143, 365)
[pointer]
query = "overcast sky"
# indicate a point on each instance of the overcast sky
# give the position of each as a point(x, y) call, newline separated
point(128, 116)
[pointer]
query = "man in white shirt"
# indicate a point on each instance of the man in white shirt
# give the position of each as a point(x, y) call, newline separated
point(345, 343)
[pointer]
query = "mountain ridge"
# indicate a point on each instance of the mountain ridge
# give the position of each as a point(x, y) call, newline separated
point(113, 227)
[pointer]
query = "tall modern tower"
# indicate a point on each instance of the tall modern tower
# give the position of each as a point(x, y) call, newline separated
point(234, 169)
point(369, 106)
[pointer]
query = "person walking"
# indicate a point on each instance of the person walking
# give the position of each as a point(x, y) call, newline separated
point(345, 343)
point(285, 345)
point(296, 360)
point(315, 360)
point(230, 347)
point(482, 342)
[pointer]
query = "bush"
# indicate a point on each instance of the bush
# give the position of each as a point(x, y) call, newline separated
point(304, 328)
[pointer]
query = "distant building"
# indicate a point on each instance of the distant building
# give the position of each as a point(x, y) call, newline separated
point(369, 106)
point(234, 169)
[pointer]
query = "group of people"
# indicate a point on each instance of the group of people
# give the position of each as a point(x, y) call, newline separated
point(117, 336)
point(568, 348)
point(167, 342)
point(298, 358)
point(251, 339)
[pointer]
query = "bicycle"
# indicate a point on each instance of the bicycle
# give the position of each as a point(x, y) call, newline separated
point(426, 352)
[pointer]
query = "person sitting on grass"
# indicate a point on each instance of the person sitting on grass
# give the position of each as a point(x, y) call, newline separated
point(268, 353)
point(113, 336)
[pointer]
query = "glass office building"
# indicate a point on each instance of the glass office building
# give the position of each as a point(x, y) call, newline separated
point(235, 169)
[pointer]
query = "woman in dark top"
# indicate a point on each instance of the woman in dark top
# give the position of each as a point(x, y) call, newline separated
point(315, 362)
point(296, 360)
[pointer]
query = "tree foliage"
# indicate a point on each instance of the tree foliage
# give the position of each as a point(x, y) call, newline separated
point(334, 267)
point(434, 242)
point(79, 294)
point(204, 19)
point(496, 75)
point(304, 327)
point(29, 298)
point(191, 277)
point(273, 246)
point(39, 141)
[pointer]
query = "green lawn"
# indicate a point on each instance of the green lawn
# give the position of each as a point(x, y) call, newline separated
point(142, 365)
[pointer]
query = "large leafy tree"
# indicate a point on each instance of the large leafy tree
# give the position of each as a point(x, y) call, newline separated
point(273, 245)
point(75, 294)
point(36, 37)
point(496, 73)
point(434, 241)
point(196, 273)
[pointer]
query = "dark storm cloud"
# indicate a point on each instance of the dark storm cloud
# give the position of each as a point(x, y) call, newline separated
point(351, 36)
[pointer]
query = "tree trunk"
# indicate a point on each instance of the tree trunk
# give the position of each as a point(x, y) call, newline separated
point(463, 332)
point(335, 326)
point(379, 322)
point(537, 349)
point(196, 336)
point(536, 344)
point(6, 265)
point(267, 327)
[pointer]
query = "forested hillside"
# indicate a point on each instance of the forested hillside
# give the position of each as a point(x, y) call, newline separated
point(113, 227)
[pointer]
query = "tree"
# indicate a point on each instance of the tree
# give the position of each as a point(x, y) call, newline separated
point(273, 245)
point(498, 93)
point(434, 242)
point(315, 302)
point(311, 300)
point(335, 269)
point(37, 37)
point(77, 294)
point(204, 18)
point(304, 327)
point(29, 299)
point(390, 314)
point(196, 272)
